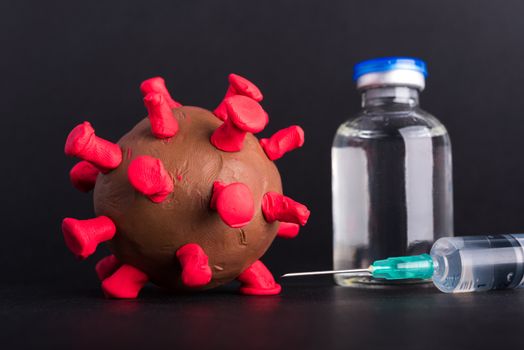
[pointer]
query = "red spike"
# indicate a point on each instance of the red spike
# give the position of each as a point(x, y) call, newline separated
point(83, 176)
point(244, 115)
point(163, 122)
point(195, 265)
point(257, 280)
point(288, 230)
point(158, 85)
point(276, 206)
point(149, 177)
point(283, 141)
point(125, 283)
point(238, 86)
point(221, 111)
point(83, 236)
point(83, 143)
point(105, 267)
point(234, 203)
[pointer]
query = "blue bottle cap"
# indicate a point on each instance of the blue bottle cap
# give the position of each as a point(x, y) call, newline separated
point(391, 71)
point(385, 64)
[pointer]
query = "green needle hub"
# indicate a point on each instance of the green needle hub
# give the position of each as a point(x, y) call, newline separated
point(403, 267)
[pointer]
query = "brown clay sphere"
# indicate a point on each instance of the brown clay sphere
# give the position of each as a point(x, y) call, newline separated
point(150, 233)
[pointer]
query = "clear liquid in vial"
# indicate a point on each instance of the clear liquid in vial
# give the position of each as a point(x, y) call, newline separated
point(392, 194)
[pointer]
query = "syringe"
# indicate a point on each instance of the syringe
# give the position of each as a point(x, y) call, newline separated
point(455, 264)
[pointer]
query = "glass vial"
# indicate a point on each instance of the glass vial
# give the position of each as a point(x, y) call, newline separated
point(391, 172)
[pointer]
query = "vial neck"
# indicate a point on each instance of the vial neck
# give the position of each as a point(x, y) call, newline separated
point(380, 96)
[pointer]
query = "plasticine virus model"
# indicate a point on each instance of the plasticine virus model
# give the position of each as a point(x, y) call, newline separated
point(189, 199)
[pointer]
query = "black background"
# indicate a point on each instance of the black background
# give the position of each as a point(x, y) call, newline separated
point(63, 62)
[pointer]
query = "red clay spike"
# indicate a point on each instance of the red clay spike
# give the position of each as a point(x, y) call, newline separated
point(163, 122)
point(257, 280)
point(234, 203)
point(244, 115)
point(238, 86)
point(125, 283)
point(288, 230)
point(83, 176)
point(149, 177)
point(106, 267)
point(83, 143)
point(276, 206)
point(83, 236)
point(195, 265)
point(158, 85)
point(283, 141)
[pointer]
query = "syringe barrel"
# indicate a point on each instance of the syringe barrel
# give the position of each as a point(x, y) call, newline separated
point(478, 263)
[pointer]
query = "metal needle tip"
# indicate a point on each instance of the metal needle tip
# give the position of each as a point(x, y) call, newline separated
point(354, 272)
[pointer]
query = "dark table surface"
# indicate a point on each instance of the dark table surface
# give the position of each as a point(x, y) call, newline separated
point(309, 314)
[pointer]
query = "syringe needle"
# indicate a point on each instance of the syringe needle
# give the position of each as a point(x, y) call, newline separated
point(402, 267)
point(353, 272)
